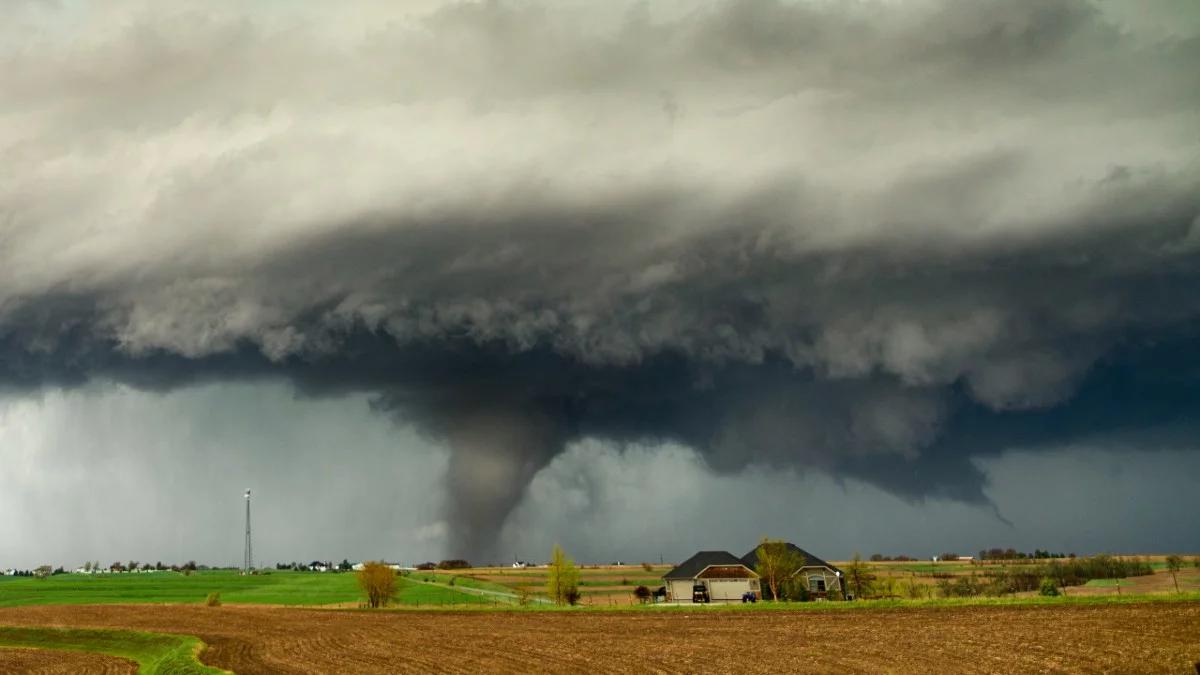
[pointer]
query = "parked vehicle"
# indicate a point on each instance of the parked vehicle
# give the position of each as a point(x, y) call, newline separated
point(699, 593)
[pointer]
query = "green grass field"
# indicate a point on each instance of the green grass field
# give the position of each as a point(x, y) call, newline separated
point(154, 653)
point(277, 588)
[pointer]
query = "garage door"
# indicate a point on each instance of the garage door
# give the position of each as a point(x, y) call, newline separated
point(727, 589)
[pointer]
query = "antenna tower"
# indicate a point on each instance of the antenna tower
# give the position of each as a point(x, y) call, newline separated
point(248, 561)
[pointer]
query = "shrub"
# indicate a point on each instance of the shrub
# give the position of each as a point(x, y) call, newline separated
point(650, 568)
point(524, 597)
point(961, 587)
point(1048, 587)
point(642, 593)
point(794, 590)
point(456, 564)
point(572, 596)
point(213, 600)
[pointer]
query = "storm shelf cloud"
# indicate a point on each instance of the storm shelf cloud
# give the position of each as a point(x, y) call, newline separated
point(879, 241)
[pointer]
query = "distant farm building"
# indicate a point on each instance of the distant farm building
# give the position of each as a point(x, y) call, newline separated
point(719, 575)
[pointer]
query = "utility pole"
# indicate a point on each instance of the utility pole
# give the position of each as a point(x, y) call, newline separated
point(248, 561)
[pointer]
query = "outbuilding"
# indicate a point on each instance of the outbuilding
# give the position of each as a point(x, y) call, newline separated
point(722, 575)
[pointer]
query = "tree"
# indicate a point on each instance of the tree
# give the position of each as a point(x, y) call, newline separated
point(345, 565)
point(562, 585)
point(43, 571)
point(378, 581)
point(777, 562)
point(1174, 562)
point(859, 578)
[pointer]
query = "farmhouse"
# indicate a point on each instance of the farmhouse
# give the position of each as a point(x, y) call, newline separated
point(819, 577)
point(721, 575)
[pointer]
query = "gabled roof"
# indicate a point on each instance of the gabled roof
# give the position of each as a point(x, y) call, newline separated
point(696, 564)
point(751, 559)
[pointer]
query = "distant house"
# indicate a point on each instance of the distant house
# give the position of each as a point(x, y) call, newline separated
point(819, 577)
point(520, 564)
point(318, 566)
point(722, 576)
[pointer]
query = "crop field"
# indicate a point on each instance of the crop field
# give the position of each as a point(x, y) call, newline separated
point(600, 585)
point(1063, 637)
point(277, 588)
point(920, 579)
point(53, 662)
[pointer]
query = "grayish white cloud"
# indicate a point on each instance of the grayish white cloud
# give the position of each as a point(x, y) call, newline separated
point(785, 234)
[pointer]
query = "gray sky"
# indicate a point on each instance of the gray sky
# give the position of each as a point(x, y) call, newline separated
point(850, 273)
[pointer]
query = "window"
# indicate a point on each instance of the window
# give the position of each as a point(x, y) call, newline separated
point(816, 583)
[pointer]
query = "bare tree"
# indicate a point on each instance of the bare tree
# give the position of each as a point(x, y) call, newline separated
point(1174, 562)
point(378, 581)
point(777, 562)
point(859, 578)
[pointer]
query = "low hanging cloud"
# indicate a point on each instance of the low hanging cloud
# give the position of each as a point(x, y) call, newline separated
point(866, 239)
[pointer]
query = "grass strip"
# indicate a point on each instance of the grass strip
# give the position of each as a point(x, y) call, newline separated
point(155, 653)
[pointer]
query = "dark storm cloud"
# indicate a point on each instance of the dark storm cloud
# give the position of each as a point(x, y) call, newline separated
point(868, 240)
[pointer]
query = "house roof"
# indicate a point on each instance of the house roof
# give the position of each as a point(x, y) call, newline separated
point(688, 569)
point(751, 559)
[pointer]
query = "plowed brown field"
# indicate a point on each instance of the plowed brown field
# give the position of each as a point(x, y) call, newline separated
point(1158, 637)
point(47, 662)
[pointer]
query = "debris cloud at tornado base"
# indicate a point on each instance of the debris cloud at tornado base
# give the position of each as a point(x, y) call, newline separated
point(749, 228)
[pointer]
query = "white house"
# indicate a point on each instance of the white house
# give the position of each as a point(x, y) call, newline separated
point(720, 576)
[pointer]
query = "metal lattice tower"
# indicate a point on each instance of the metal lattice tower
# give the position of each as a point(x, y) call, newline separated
point(248, 562)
